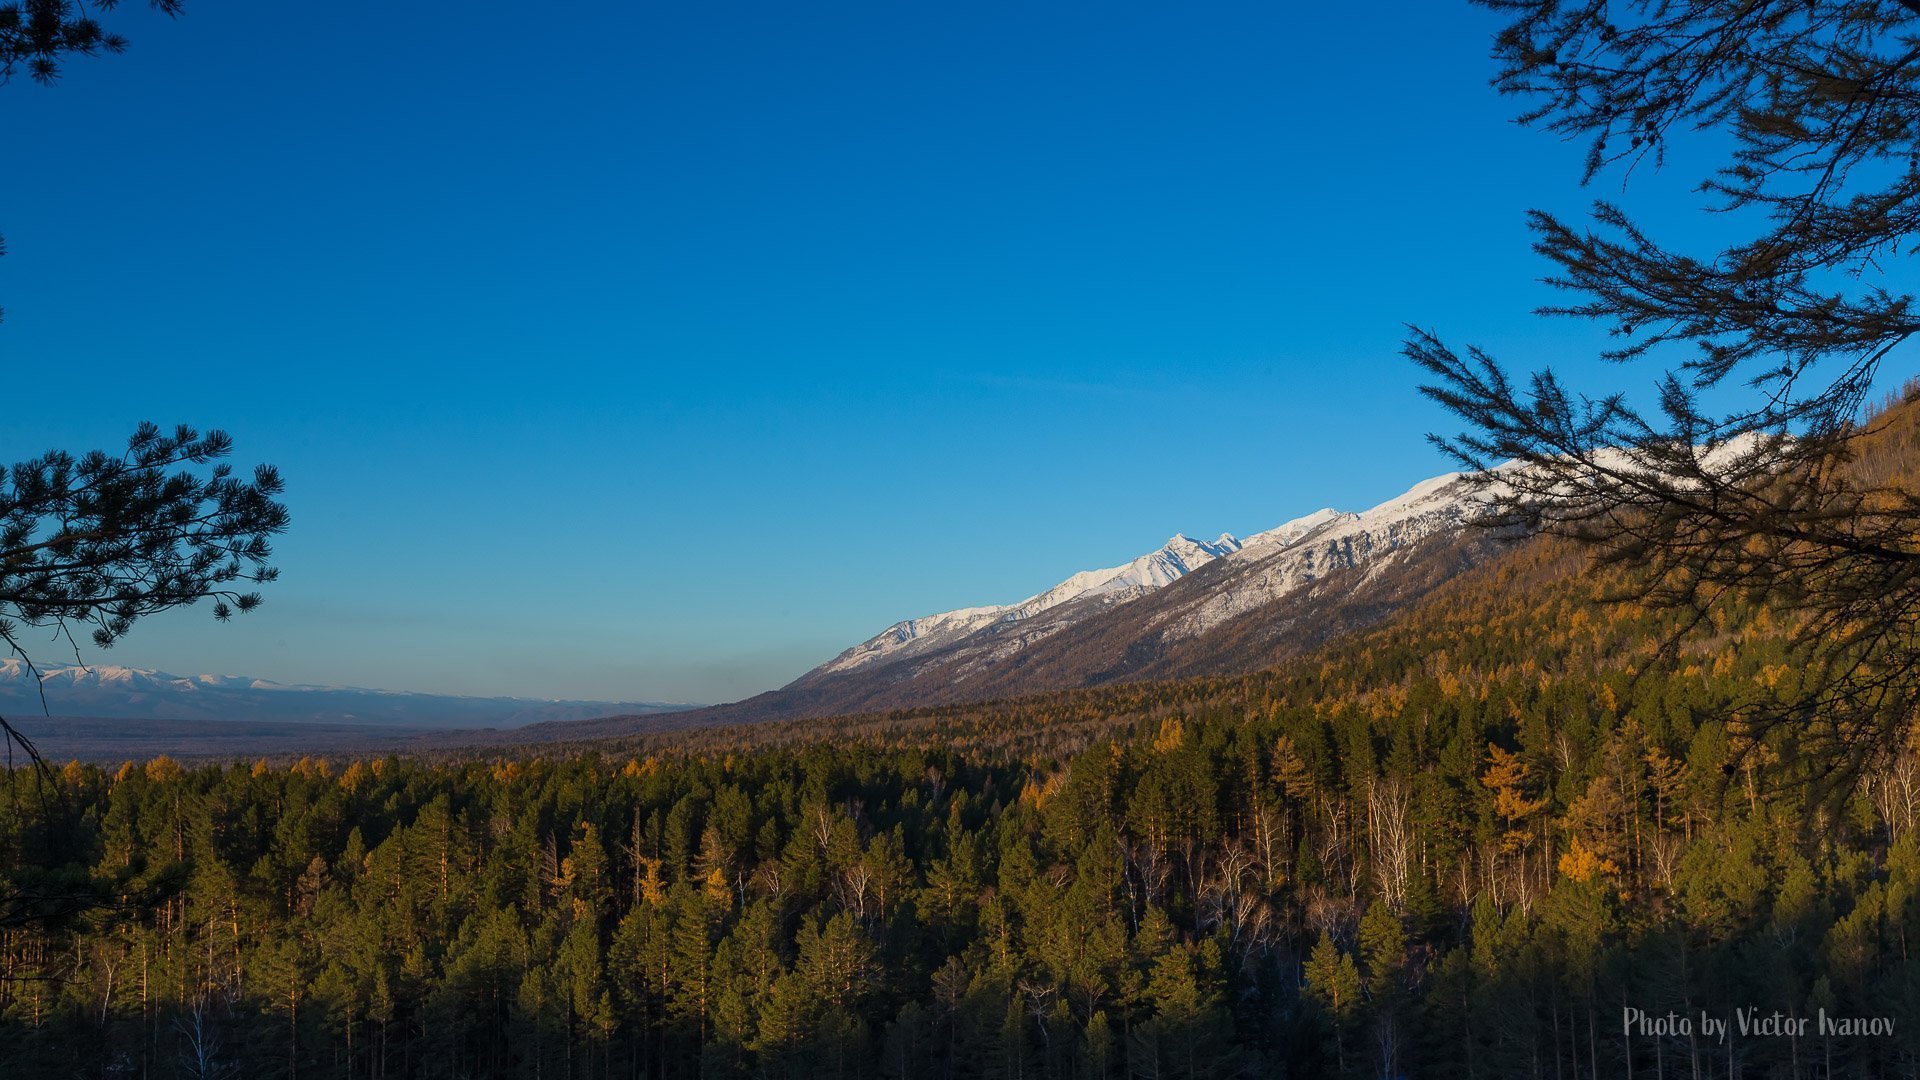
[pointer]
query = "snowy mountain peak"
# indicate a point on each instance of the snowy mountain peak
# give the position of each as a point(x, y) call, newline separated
point(1179, 556)
point(1183, 545)
point(1288, 555)
point(1293, 530)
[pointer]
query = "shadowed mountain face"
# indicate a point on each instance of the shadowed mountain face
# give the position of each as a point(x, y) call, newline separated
point(1191, 608)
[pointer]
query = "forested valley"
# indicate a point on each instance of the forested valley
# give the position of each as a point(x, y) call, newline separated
point(1458, 846)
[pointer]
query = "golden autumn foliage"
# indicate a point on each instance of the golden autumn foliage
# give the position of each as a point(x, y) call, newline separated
point(1172, 733)
point(1509, 777)
point(716, 888)
point(1581, 864)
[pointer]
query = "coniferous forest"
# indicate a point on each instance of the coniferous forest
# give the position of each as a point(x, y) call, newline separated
point(1457, 846)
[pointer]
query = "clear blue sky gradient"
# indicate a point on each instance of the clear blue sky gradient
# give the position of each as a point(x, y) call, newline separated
point(661, 351)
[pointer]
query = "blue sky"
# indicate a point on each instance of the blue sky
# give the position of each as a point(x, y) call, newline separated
point(661, 351)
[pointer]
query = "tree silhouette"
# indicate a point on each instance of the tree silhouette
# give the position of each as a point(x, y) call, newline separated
point(38, 35)
point(99, 540)
point(103, 540)
point(1748, 476)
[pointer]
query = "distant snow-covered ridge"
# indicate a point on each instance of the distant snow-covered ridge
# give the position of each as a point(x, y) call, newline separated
point(1179, 557)
point(1370, 542)
point(1255, 571)
point(114, 691)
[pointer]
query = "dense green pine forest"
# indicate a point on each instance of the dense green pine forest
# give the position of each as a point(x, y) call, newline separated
point(1457, 846)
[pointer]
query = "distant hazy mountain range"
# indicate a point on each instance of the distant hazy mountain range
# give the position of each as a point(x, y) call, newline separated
point(104, 691)
point(1192, 607)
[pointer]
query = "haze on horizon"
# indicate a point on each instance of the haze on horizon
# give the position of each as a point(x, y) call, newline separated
point(666, 360)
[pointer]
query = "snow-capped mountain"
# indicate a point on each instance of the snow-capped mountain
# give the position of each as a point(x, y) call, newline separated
point(112, 691)
point(1371, 542)
point(1287, 557)
point(1115, 585)
point(1190, 607)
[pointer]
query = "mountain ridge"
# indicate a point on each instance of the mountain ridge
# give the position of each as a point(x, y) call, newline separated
point(1189, 608)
